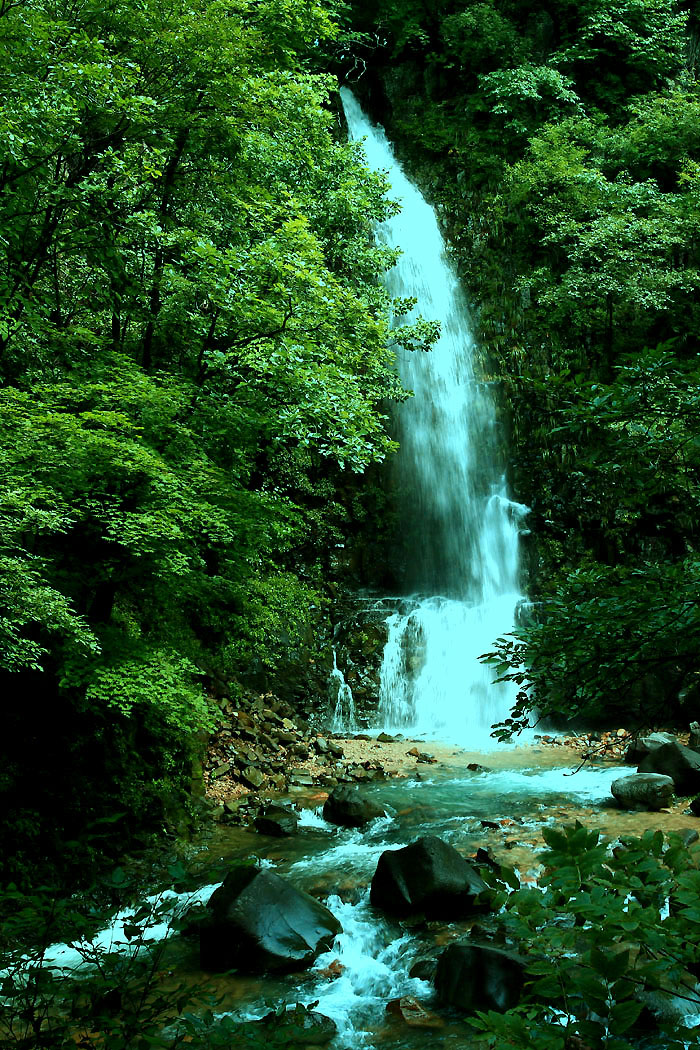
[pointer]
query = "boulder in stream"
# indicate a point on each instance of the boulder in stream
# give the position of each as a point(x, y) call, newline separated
point(277, 820)
point(429, 876)
point(257, 921)
point(347, 807)
point(675, 761)
point(644, 745)
point(478, 977)
point(643, 791)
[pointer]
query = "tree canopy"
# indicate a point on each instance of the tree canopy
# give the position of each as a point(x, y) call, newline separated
point(195, 362)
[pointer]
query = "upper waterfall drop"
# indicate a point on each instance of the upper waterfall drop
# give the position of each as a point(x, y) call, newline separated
point(463, 575)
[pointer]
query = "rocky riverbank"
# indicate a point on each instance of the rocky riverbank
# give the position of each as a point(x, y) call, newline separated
point(398, 964)
point(263, 750)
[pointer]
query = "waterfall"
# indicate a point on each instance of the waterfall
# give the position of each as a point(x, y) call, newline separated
point(462, 566)
point(341, 700)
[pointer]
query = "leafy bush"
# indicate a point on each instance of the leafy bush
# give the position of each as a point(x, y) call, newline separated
point(612, 939)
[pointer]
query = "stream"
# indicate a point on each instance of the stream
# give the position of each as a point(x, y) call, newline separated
point(503, 809)
point(336, 865)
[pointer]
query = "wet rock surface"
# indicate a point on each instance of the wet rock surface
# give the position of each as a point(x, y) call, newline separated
point(427, 876)
point(278, 821)
point(258, 922)
point(479, 977)
point(413, 1013)
point(347, 807)
point(651, 791)
point(675, 761)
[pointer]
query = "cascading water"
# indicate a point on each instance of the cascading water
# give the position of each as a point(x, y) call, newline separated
point(341, 701)
point(462, 575)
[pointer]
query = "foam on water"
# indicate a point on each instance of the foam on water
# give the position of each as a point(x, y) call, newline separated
point(375, 961)
point(113, 938)
point(587, 784)
point(313, 818)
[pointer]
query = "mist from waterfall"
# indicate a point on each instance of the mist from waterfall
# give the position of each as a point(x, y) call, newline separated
point(462, 571)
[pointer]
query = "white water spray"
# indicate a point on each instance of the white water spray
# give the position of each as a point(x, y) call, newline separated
point(341, 700)
point(463, 528)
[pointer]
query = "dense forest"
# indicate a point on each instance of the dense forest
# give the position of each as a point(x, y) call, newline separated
point(197, 378)
point(197, 358)
point(195, 366)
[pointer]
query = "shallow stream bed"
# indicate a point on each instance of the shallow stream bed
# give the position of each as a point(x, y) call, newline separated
point(502, 809)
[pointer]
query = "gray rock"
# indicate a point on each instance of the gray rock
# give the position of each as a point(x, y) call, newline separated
point(644, 745)
point(277, 820)
point(478, 977)
point(429, 876)
point(258, 922)
point(650, 791)
point(347, 807)
point(299, 750)
point(694, 738)
point(301, 778)
point(678, 762)
point(252, 777)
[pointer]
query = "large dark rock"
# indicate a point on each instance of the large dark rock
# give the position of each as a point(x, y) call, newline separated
point(428, 876)
point(347, 807)
point(679, 763)
point(256, 921)
point(643, 791)
point(277, 820)
point(643, 745)
point(477, 977)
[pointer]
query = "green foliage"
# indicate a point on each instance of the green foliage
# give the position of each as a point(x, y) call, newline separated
point(113, 990)
point(528, 95)
point(480, 38)
point(610, 948)
point(195, 362)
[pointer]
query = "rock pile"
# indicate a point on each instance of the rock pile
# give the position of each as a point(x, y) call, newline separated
point(262, 748)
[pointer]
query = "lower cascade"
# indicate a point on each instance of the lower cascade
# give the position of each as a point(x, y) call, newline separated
point(463, 571)
point(341, 701)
